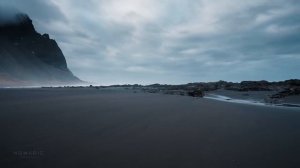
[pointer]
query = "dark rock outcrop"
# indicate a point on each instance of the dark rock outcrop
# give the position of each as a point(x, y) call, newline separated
point(196, 93)
point(29, 58)
point(288, 88)
point(254, 86)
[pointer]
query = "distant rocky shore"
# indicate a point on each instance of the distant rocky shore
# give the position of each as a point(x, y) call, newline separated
point(279, 89)
point(282, 88)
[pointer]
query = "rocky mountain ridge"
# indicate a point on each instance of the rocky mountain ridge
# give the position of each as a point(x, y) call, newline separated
point(29, 58)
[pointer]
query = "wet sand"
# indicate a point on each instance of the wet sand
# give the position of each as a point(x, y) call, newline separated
point(108, 128)
point(254, 97)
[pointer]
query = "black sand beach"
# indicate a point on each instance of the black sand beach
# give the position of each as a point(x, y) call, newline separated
point(109, 128)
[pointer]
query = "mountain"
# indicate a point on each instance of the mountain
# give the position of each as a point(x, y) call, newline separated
point(28, 58)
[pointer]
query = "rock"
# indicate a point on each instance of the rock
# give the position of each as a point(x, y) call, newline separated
point(254, 86)
point(46, 36)
point(196, 93)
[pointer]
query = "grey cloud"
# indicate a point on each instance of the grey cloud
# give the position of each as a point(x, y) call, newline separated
point(37, 9)
point(149, 41)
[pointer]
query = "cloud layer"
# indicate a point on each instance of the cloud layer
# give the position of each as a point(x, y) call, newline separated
point(172, 41)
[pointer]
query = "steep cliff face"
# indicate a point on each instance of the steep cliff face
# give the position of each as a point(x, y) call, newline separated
point(29, 58)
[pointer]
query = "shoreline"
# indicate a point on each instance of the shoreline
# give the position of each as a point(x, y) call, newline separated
point(219, 95)
point(250, 102)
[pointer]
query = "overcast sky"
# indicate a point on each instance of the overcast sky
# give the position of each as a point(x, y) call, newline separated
point(172, 41)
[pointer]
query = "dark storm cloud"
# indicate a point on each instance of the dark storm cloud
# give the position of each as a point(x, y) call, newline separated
point(172, 41)
point(37, 9)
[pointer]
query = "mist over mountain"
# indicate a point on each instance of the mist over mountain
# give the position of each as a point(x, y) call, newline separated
point(29, 58)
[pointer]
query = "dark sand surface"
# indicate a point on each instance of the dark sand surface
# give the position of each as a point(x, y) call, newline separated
point(117, 128)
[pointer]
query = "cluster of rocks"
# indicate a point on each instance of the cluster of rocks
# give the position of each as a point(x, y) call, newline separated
point(287, 88)
point(286, 92)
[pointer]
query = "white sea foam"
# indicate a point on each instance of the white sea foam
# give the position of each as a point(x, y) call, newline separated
point(229, 99)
